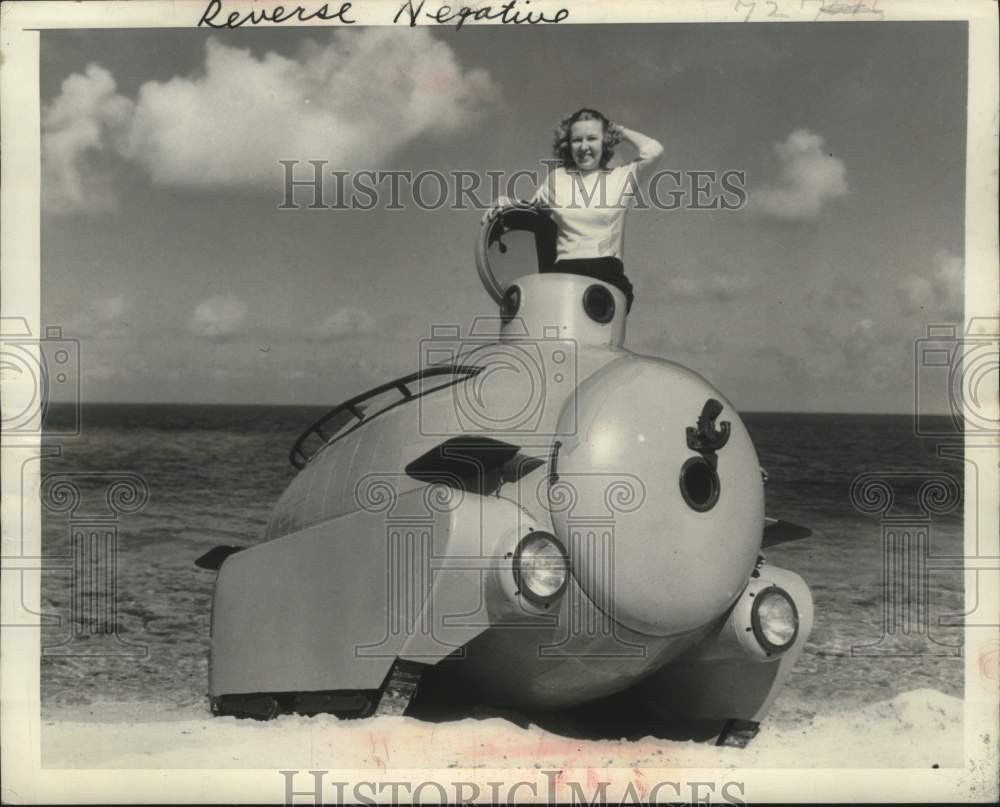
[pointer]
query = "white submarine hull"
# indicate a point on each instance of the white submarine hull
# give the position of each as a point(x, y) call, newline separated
point(393, 556)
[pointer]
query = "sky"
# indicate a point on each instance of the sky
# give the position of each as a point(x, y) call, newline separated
point(165, 253)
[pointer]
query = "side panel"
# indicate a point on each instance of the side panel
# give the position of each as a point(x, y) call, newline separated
point(289, 614)
point(330, 607)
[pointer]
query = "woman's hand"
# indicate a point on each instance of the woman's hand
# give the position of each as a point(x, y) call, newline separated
point(501, 201)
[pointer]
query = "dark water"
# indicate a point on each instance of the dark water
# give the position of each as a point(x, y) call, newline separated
point(214, 472)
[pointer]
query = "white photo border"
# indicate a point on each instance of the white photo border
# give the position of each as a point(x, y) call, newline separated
point(26, 781)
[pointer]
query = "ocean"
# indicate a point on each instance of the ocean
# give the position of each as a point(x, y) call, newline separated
point(214, 472)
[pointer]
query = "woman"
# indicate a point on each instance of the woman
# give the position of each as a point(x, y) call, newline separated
point(588, 200)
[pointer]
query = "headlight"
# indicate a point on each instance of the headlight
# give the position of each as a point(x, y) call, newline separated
point(775, 620)
point(541, 567)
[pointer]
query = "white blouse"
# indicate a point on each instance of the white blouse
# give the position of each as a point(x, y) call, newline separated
point(589, 210)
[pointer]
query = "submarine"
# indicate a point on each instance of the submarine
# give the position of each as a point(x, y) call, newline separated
point(537, 519)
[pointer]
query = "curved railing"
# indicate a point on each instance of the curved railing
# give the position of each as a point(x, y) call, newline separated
point(514, 215)
point(299, 456)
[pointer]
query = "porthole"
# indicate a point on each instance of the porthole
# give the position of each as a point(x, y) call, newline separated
point(699, 484)
point(599, 304)
point(510, 304)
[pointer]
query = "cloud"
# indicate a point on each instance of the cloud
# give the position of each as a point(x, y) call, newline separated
point(718, 287)
point(860, 341)
point(867, 355)
point(218, 318)
point(353, 101)
point(111, 308)
point(873, 358)
point(347, 322)
point(843, 295)
point(87, 119)
point(674, 342)
point(809, 177)
point(940, 292)
point(87, 319)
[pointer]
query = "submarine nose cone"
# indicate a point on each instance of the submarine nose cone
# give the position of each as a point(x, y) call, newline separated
point(662, 536)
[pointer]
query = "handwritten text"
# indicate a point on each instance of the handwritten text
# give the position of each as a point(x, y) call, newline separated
point(272, 14)
point(508, 13)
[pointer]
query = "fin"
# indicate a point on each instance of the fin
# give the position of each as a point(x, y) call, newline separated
point(780, 532)
point(463, 462)
point(215, 556)
point(520, 465)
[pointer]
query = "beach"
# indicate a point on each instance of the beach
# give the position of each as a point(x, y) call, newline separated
point(919, 729)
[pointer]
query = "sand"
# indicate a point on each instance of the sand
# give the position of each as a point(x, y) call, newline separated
point(920, 729)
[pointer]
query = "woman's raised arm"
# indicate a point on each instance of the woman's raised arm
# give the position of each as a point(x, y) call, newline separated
point(648, 148)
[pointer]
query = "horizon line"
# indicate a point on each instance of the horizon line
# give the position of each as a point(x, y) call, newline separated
point(328, 406)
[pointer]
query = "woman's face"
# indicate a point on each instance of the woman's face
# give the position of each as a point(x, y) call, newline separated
point(586, 144)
